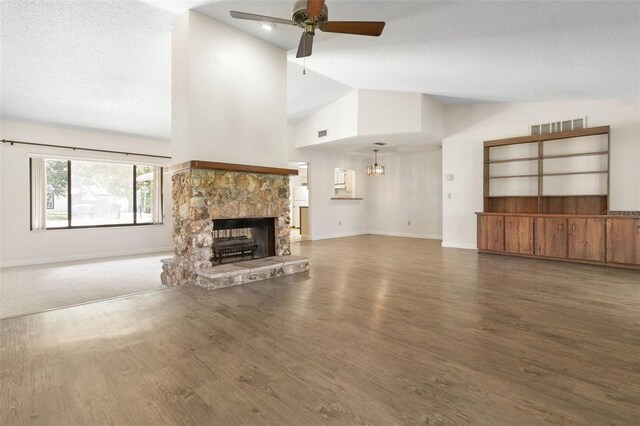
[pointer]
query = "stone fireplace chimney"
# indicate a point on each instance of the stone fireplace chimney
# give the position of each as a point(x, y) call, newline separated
point(203, 192)
point(229, 105)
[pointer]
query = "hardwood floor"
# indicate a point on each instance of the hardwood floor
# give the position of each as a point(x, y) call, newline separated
point(381, 331)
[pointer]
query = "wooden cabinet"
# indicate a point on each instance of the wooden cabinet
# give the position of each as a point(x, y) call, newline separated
point(598, 239)
point(586, 239)
point(623, 241)
point(551, 237)
point(518, 234)
point(491, 232)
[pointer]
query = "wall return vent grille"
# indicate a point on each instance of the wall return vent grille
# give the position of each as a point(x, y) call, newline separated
point(559, 126)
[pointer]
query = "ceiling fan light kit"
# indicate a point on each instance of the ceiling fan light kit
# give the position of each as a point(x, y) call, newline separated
point(268, 26)
point(312, 14)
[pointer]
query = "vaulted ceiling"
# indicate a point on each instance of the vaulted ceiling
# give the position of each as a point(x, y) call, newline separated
point(107, 64)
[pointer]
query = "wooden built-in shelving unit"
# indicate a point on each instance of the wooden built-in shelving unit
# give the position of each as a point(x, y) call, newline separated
point(547, 196)
point(534, 176)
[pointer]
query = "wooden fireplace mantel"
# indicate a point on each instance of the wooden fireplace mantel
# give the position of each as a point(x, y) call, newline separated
point(210, 165)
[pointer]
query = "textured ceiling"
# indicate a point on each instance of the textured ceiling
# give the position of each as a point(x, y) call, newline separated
point(464, 51)
point(106, 64)
point(96, 64)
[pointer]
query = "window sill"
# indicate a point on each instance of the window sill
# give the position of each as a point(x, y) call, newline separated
point(74, 228)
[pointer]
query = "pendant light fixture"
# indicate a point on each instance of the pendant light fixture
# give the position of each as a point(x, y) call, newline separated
point(375, 170)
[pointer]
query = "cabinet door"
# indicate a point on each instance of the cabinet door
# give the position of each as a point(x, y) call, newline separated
point(491, 233)
point(623, 241)
point(551, 237)
point(518, 234)
point(586, 239)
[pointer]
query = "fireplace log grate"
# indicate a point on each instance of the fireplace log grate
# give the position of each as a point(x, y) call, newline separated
point(233, 247)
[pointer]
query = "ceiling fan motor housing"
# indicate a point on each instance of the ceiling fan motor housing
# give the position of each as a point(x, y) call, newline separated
point(301, 18)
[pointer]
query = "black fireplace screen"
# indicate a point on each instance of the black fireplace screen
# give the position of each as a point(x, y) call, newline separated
point(243, 238)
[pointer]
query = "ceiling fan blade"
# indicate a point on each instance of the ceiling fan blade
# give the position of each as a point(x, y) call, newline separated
point(314, 8)
point(305, 46)
point(354, 27)
point(263, 18)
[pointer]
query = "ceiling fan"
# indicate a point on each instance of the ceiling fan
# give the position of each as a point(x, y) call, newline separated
point(312, 14)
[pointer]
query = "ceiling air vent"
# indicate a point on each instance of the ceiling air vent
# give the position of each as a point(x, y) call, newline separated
point(322, 133)
point(559, 126)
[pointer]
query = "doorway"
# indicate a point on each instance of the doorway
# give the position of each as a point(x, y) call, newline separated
point(299, 202)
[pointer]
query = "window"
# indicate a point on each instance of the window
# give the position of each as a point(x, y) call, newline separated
point(81, 194)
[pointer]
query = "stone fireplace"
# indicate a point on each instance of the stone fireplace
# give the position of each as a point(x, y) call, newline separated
point(216, 206)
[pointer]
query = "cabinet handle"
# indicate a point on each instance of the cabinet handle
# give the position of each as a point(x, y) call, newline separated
point(560, 227)
point(510, 225)
point(573, 228)
point(638, 229)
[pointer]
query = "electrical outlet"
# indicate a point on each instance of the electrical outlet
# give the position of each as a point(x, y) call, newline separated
point(449, 195)
point(339, 223)
point(409, 222)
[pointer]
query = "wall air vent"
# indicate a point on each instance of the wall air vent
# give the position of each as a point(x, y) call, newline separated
point(559, 126)
point(322, 133)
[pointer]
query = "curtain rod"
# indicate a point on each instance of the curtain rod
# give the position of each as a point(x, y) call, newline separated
point(75, 148)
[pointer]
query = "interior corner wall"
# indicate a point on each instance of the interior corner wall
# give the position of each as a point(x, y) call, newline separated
point(180, 90)
point(407, 200)
point(432, 117)
point(21, 246)
point(467, 126)
point(229, 95)
point(339, 119)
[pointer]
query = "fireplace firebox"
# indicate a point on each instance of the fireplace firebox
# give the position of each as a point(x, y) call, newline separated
point(243, 239)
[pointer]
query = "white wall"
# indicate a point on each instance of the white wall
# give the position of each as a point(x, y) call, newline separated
point(339, 119)
point(229, 95)
point(180, 96)
point(432, 117)
point(336, 218)
point(410, 191)
point(20, 246)
point(331, 218)
point(467, 126)
point(382, 112)
point(373, 113)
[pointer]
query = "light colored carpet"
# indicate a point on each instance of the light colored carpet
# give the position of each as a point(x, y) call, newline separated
point(31, 289)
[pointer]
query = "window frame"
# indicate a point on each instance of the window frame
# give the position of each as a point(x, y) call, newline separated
point(69, 197)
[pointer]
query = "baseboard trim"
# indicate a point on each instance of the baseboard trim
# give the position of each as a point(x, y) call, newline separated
point(407, 235)
point(331, 236)
point(466, 246)
point(29, 262)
